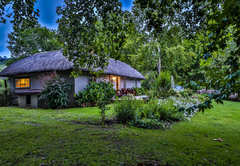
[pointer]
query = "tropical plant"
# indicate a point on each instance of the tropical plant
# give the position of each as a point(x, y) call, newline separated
point(54, 90)
point(99, 93)
point(82, 98)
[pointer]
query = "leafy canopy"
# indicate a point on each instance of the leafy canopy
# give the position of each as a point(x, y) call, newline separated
point(33, 40)
point(92, 31)
point(212, 16)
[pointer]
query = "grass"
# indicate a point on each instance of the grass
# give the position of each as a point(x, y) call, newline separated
point(2, 65)
point(69, 137)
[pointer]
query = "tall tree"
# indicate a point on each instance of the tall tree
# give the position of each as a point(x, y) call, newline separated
point(149, 52)
point(33, 40)
point(212, 16)
point(92, 31)
point(23, 12)
point(30, 41)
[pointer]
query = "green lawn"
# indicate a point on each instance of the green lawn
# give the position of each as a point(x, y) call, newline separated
point(69, 137)
point(2, 65)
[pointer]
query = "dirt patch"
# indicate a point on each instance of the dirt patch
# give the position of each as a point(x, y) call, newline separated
point(77, 130)
point(108, 122)
point(33, 123)
point(85, 123)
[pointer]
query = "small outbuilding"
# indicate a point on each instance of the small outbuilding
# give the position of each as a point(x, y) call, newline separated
point(24, 83)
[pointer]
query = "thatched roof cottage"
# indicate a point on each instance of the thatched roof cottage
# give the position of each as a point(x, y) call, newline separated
point(24, 83)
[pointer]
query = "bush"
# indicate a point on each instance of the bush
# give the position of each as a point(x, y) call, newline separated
point(99, 93)
point(190, 91)
point(150, 78)
point(172, 92)
point(80, 98)
point(4, 97)
point(126, 109)
point(201, 97)
point(162, 85)
point(147, 123)
point(55, 90)
point(186, 92)
point(151, 115)
point(83, 97)
point(183, 93)
point(139, 91)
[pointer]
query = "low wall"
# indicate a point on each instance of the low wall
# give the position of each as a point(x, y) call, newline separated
point(211, 91)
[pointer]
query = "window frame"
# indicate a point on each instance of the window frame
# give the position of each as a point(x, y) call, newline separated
point(135, 83)
point(124, 83)
point(22, 87)
point(93, 78)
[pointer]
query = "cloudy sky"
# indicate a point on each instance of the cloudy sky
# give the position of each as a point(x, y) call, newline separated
point(48, 18)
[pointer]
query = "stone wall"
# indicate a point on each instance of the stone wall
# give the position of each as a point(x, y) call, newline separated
point(211, 91)
point(22, 101)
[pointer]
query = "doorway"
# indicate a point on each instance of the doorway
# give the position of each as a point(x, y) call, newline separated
point(28, 99)
point(117, 83)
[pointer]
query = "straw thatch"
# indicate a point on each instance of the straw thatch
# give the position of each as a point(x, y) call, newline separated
point(54, 60)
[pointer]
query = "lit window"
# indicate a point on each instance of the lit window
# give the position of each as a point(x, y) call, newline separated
point(23, 83)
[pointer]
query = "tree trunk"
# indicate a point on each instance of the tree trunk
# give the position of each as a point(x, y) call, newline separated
point(159, 65)
point(159, 62)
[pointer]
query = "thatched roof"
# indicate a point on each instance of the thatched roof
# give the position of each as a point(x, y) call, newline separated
point(54, 60)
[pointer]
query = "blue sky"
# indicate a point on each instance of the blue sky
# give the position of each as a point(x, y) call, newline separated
point(48, 18)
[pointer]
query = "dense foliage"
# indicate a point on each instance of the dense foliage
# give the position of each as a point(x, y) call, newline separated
point(92, 27)
point(154, 114)
point(169, 35)
point(212, 20)
point(99, 93)
point(23, 12)
point(55, 90)
point(4, 93)
point(30, 41)
point(161, 85)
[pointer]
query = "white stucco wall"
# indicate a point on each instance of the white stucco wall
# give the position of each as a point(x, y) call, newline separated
point(139, 83)
point(34, 81)
point(80, 82)
point(129, 83)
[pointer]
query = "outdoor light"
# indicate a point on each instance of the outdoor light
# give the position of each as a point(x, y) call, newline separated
point(114, 78)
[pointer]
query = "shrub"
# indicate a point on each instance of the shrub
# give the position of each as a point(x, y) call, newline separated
point(147, 123)
point(139, 91)
point(126, 109)
point(190, 91)
point(83, 97)
point(55, 90)
point(4, 97)
point(172, 92)
point(151, 115)
point(201, 97)
point(150, 78)
point(162, 85)
point(99, 93)
point(80, 98)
